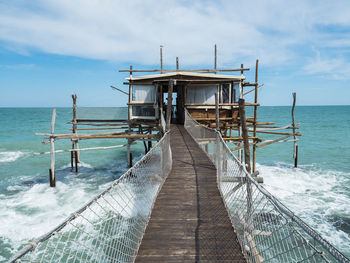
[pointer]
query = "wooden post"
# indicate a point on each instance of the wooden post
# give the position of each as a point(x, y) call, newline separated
point(217, 112)
point(215, 58)
point(75, 144)
point(129, 148)
point(244, 134)
point(295, 152)
point(217, 121)
point(52, 170)
point(169, 106)
point(255, 112)
point(161, 59)
point(149, 142)
point(177, 63)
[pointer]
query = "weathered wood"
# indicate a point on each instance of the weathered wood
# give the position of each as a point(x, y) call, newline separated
point(189, 222)
point(169, 105)
point(185, 70)
point(52, 170)
point(255, 112)
point(217, 116)
point(244, 135)
point(220, 104)
point(83, 149)
point(215, 57)
point(295, 150)
point(106, 136)
point(161, 62)
point(122, 91)
point(270, 142)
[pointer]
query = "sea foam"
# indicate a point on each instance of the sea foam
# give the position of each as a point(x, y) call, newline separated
point(10, 156)
point(315, 195)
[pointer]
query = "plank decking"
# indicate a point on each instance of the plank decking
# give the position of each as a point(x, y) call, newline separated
point(189, 222)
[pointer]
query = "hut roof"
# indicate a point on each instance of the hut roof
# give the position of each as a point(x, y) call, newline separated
point(191, 75)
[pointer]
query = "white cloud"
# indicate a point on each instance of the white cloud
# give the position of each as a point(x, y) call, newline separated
point(334, 68)
point(131, 31)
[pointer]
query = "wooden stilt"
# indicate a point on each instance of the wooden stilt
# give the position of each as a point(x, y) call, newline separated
point(245, 135)
point(255, 112)
point(217, 122)
point(149, 142)
point(129, 150)
point(52, 142)
point(76, 161)
point(75, 144)
point(295, 151)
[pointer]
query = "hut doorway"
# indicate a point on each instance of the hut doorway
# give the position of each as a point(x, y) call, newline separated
point(177, 104)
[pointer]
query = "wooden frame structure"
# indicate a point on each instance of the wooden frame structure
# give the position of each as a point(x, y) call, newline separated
point(213, 97)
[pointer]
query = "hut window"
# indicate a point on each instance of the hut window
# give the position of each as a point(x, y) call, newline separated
point(225, 93)
point(143, 93)
point(236, 92)
point(201, 94)
point(143, 111)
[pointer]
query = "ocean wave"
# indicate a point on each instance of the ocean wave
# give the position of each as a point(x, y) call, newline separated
point(10, 156)
point(316, 195)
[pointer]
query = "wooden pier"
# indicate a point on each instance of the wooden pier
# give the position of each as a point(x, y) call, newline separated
point(189, 222)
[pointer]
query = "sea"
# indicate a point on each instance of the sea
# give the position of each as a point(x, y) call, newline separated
point(318, 191)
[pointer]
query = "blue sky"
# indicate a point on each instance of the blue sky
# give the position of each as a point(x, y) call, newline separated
point(50, 49)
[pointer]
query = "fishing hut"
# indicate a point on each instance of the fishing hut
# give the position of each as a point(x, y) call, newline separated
point(214, 97)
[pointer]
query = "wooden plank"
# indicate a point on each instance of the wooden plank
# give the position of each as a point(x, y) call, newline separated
point(221, 104)
point(270, 142)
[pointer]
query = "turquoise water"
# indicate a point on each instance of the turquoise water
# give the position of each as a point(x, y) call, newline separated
point(318, 191)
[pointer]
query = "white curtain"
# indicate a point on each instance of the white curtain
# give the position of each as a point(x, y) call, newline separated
point(201, 94)
point(143, 93)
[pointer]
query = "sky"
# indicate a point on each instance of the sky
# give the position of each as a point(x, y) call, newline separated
point(50, 49)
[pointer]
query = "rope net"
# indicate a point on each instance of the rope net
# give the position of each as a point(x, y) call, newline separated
point(111, 226)
point(267, 231)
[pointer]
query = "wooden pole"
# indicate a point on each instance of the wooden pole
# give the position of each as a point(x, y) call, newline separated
point(129, 149)
point(161, 59)
point(244, 134)
point(295, 154)
point(75, 144)
point(217, 121)
point(255, 112)
point(149, 142)
point(217, 112)
point(52, 170)
point(169, 106)
point(177, 63)
point(215, 58)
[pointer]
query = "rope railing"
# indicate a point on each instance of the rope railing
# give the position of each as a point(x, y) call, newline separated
point(110, 227)
point(267, 231)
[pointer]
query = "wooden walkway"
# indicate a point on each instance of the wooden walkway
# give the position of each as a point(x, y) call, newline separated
point(189, 222)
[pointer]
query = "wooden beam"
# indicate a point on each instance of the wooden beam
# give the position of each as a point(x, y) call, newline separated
point(244, 134)
point(270, 142)
point(185, 70)
point(83, 149)
point(220, 104)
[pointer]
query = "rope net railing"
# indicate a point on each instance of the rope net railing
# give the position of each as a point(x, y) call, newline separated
point(267, 231)
point(110, 227)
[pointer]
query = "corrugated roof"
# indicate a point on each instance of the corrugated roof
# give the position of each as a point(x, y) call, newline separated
point(187, 74)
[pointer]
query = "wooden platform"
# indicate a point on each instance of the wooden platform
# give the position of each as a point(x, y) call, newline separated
point(189, 222)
